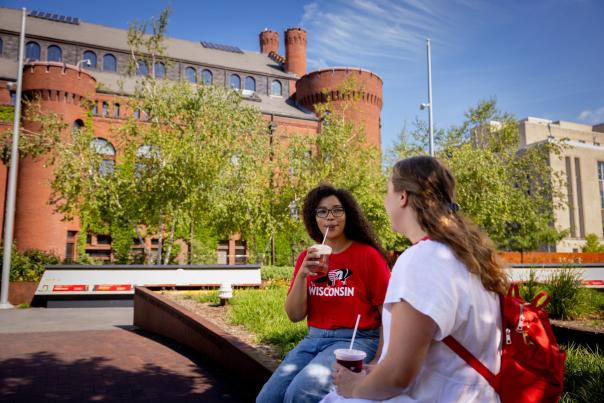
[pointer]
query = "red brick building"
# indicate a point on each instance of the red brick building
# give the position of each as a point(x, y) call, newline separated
point(57, 51)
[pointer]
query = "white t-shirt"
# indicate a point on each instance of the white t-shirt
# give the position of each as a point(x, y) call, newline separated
point(430, 278)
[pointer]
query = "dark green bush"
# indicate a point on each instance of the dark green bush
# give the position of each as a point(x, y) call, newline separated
point(583, 375)
point(29, 265)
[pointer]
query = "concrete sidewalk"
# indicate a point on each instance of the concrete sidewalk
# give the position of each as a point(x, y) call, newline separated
point(95, 354)
point(64, 319)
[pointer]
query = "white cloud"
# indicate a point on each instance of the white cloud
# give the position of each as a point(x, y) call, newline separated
point(375, 33)
point(592, 116)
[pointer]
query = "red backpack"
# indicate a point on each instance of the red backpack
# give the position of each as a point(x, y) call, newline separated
point(532, 364)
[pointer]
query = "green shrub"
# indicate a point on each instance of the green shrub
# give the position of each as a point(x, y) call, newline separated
point(583, 375)
point(592, 244)
point(276, 273)
point(29, 265)
point(563, 287)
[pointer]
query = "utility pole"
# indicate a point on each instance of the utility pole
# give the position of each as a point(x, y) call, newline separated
point(429, 104)
point(9, 214)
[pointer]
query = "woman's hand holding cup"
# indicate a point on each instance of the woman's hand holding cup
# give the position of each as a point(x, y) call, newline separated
point(316, 260)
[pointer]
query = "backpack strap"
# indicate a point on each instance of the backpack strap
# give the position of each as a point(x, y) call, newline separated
point(468, 357)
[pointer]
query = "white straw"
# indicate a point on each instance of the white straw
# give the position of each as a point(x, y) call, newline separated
point(325, 236)
point(354, 333)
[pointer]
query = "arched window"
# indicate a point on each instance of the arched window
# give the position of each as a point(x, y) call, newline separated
point(95, 108)
point(141, 68)
point(160, 70)
point(235, 82)
point(105, 109)
point(137, 113)
point(276, 88)
point(91, 57)
point(191, 74)
point(32, 51)
point(109, 62)
point(54, 54)
point(250, 84)
point(207, 77)
point(116, 110)
point(78, 125)
point(107, 151)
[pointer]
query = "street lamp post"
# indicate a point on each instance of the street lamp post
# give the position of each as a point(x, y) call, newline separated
point(9, 214)
point(428, 105)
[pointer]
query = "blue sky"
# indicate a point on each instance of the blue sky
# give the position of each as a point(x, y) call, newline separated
point(542, 58)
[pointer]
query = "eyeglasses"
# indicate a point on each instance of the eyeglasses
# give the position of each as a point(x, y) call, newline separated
point(324, 212)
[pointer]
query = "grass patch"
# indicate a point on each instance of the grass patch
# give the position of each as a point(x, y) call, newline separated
point(583, 375)
point(210, 296)
point(23, 306)
point(261, 311)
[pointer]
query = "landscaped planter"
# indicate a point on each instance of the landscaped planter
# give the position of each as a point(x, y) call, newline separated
point(21, 292)
point(157, 314)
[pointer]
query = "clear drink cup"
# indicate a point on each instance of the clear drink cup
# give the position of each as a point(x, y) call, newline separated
point(351, 359)
point(324, 251)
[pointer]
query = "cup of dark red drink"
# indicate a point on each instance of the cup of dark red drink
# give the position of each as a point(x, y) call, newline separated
point(351, 359)
point(324, 251)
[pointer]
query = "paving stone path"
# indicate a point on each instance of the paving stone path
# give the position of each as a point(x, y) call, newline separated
point(101, 357)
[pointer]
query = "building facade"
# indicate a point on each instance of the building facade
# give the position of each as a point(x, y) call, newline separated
point(582, 167)
point(70, 61)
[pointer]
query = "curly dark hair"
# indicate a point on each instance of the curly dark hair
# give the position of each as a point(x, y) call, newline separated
point(357, 226)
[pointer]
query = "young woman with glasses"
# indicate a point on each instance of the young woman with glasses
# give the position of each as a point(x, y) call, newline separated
point(330, 298)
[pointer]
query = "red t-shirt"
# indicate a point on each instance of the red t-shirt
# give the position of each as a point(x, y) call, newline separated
point(355, 284)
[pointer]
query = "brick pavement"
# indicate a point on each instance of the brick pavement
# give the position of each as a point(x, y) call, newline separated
point(119, 365)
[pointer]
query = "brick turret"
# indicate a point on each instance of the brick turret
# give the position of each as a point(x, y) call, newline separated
point(317, 86)
point(295, 51)
point(269, 41)
point(61, 89)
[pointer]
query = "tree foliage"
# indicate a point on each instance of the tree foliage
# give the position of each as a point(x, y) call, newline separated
point(510, 192)
point(592, 244)
point(170, 170)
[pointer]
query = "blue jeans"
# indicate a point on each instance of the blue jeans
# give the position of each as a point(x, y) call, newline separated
point(305, 373)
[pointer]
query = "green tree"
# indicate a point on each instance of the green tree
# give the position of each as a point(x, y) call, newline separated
point(510, 192)
point(592, 244)
point(171, 169)
point(340, 155)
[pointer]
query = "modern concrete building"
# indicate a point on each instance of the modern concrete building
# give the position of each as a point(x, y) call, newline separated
point(70, 61)
point(582, 166)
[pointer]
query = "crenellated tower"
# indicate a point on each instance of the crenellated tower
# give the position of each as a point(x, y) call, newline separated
point(365, 98)
point(269, 41)
point(62, 89)
point(295, 51)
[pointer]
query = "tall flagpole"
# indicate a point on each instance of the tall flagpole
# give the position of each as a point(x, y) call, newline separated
point(9, 214)
point(430, 122)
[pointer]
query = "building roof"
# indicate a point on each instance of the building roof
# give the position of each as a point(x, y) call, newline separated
point(114, 39)
point(117, 39)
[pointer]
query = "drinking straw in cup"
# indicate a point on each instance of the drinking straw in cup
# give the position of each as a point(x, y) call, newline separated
point(354, 332)
point(325, 236)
